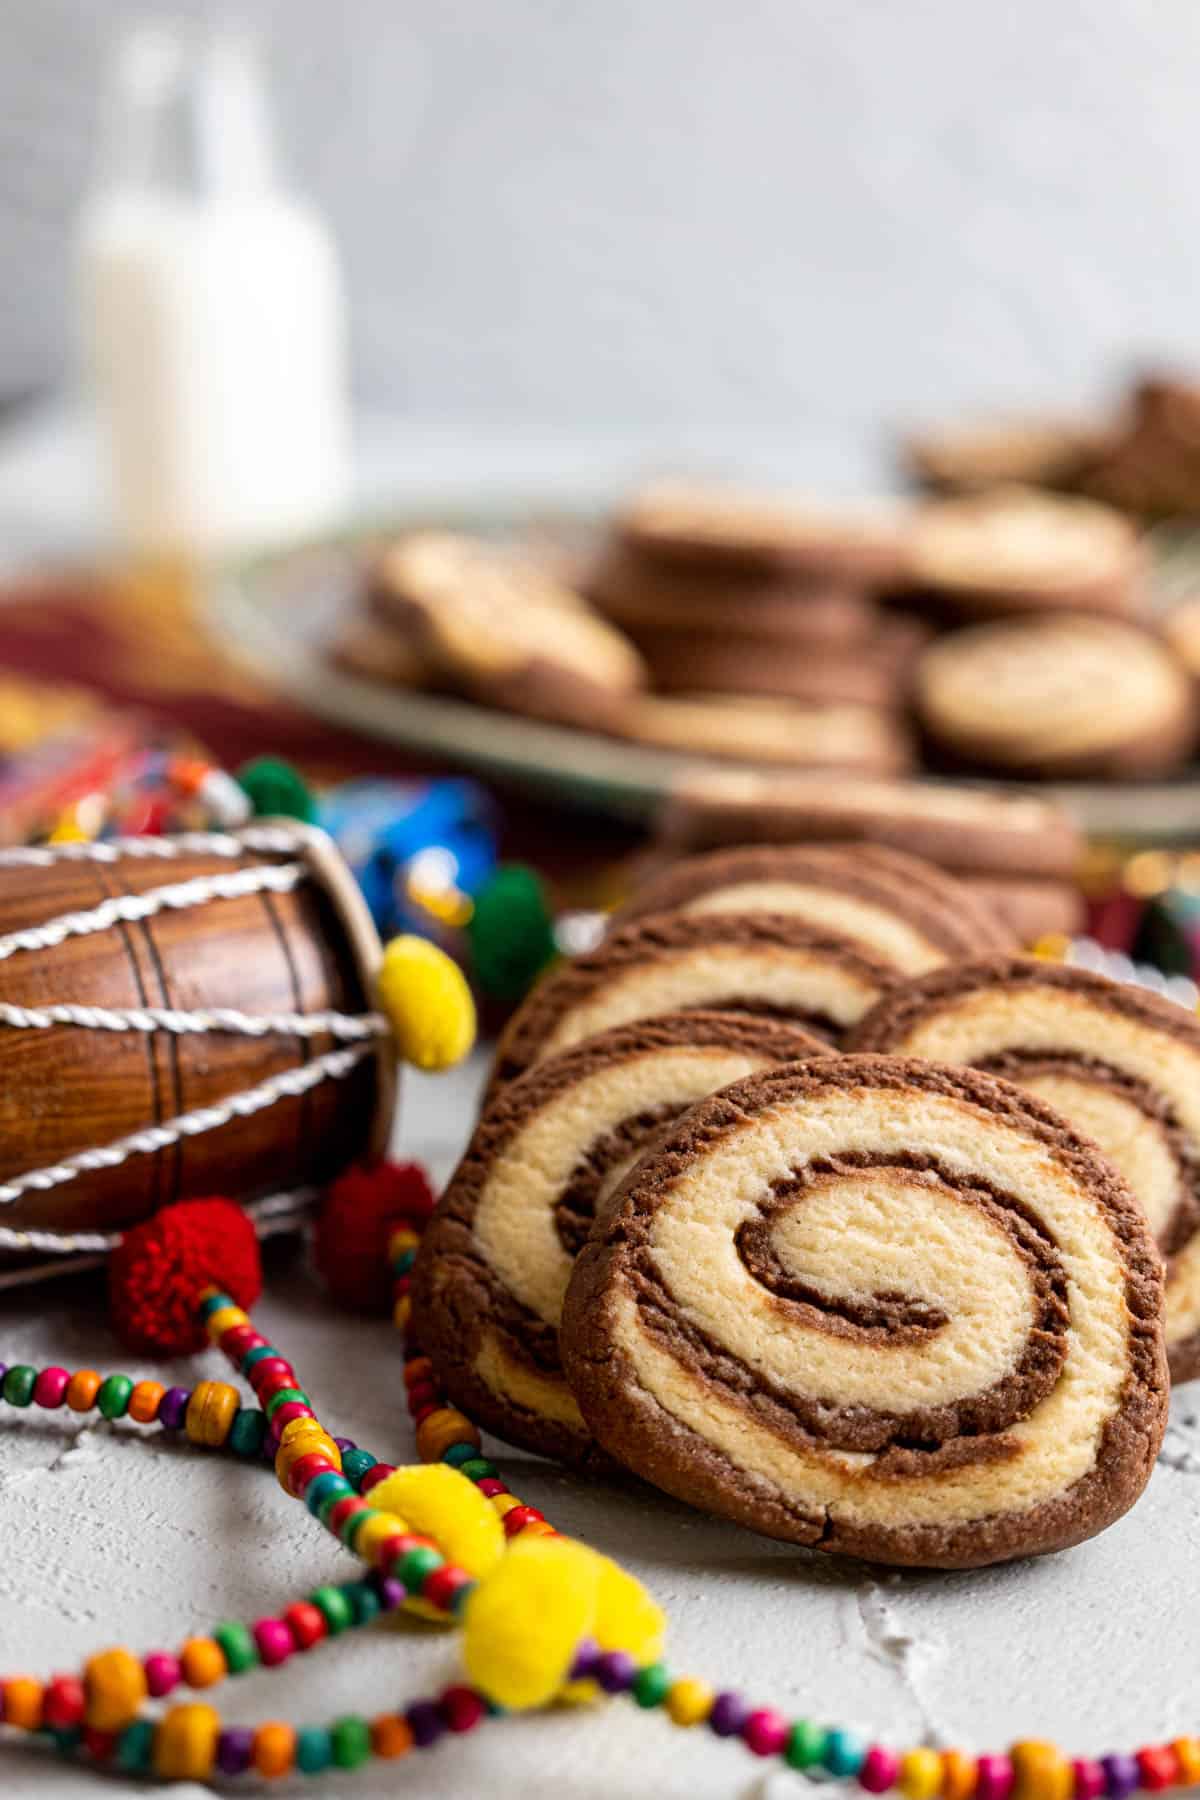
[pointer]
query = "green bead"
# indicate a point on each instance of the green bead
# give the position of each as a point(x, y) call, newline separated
point(355, 1464)
point(134, 1746)
point(274, 789)
point(247, 1432)
point(458, 1454)
point(215, 1303)
point(805, 1746)
point(256, 1355)
point(281, 1396)
point(333, 1605)
point(511, 932)
point(650, 1685)
point(362, 1600)
point(19, 1383)
point(314, 1751)
point(350, 1742)
point(478, 1469)
point(241, 1651)
point(66, 1740)
point(413, 1567)
point(844, 1752)
point(113, 1396)
point(404, 1262)
point(354, 1524)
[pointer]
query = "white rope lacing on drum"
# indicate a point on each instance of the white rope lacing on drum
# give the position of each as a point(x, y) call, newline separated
point(271, 1213)
point(289, 1084)
point(359, 1032)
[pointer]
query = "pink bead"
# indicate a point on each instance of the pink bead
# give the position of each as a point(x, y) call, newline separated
point(50, 1386)
point(766, 1732)
point(291, 1409)
point(375, 1474)
point(993, 1778)
point(162, 1673)
point(491, 1486)
point(879, 1770)
point(275, 1641)
point(1089, 1779)
point(238, 1340)
point(461, 1708)
point(271, 1365)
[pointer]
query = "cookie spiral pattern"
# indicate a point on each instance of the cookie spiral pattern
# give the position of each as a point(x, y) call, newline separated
point(898, 907)
point(765, 964)
point(877, 1306)
point(548, 1152)
point(1122, 1064)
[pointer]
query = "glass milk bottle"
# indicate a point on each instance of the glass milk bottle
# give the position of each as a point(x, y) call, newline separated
point(212, 311)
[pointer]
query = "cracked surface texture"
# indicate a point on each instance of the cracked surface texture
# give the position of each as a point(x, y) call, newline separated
point(113, 1541)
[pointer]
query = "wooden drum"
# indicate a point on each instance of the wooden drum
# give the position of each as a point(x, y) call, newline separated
point(180, 1017)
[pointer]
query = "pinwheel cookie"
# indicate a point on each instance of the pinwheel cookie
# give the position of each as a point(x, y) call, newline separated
point(490, 1278)
point(881, 1307)
point(896, 906)
point(765, 964)
point(1122, 1064)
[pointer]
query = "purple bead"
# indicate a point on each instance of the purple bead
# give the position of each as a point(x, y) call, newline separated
point(235, 1747)
point(729, 1714)
point(425, 1722)
point(172, 1407)
point(587, 1660)
point(1121, 1775)
point(345, 1444)
point(616, 1671)
point(392, 1593)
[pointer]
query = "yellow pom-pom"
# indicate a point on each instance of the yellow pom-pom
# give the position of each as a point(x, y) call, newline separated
point(523, 1624)
point(441, 1504)
point(626, 1617)
point(427, 1002)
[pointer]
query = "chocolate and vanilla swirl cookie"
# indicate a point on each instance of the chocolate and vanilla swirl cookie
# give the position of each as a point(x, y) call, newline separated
point(1122, 1064)
point(550, 1149)
point(881, 1307)
point(911, 914)
point(765, 964)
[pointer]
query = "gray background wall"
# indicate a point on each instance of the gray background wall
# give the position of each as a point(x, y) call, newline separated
point(794, 217)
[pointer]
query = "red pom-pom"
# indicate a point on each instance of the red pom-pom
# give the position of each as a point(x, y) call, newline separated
point(159, 1269)
point(361, 1210)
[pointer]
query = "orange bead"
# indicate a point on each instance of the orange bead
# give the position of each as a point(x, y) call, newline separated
point(115, 1684)
point(185, 1743)
point(391, 1736)
point(959, 1775)
point(441, 1429)
point(82, 1389)
point(303, 1443)
point(1040, 1771)
point(23, 1702)
point(210, 1412)
point(1187, 1751)
point(417, 1368)
point(202, 1661)
point(143, 1402)
point(274, 1750)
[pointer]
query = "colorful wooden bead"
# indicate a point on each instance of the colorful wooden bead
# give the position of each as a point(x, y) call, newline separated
point(306, 1624)
point(144, 1401)
point(993, 1778)
point(50, 1387)
point(765, 1731)
point(1158, 1767)
point(442, 1428)
point(880, 1766)
point(391, 1736)
point(22, 1697)
point(1040, 1771)
point(64, 1703)
point(274, 1751)
point(349, 1742)
point(920, 1775)
point(960, 1773)
point(82, 1389)
point(210, 1413)
point(805, 1745)
point(1088, 1778)
point(115, 1683)
point(18, 1384)
point(236, 1645)
point(163, 1673)
point(202, 1662)
point(112, 1398)
point(185, 1743)
point(1187, 1755)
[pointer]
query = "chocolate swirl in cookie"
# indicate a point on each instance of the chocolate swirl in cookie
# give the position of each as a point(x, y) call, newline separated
point(763, 964)
point(898, 907)
point(877, 1306)
point(549, 1150)
point(1122, 1064)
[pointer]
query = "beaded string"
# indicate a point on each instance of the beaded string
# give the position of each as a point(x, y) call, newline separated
point(97, 1715)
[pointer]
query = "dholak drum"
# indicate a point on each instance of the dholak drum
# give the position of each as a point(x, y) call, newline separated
point(180, 1017)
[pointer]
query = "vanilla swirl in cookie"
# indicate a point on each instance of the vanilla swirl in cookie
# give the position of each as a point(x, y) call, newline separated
point(1122, 1064)
point(881, 1307)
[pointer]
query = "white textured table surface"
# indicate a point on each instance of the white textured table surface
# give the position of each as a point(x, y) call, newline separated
point(110, 1535)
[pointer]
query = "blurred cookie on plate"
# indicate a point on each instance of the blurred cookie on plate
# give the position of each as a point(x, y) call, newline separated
point(1016, 551)
point(1072, 697)
point(503, 631)
point(1033, 452)
point(748, 728)
point(642, 592)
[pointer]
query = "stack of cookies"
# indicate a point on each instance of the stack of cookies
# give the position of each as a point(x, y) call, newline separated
point(806, 1199)
point(752, 607)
